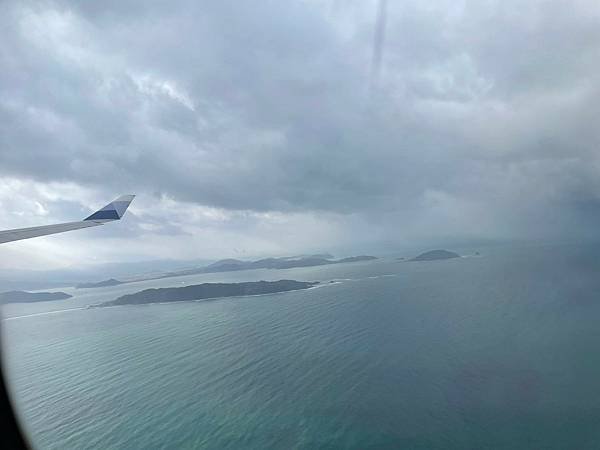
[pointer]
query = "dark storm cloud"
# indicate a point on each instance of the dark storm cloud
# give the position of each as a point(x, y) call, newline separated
point(483, 122)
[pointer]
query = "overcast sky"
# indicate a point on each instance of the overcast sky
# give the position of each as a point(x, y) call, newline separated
point(252, 128)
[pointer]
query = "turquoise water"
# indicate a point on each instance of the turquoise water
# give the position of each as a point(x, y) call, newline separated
point(498, 352)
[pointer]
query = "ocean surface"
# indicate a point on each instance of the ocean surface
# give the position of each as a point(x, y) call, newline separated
point(500, 351)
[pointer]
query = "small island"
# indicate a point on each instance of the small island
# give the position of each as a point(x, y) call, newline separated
point(435, 255)
point(208, 291)
point(105, 283)
point(31, 297)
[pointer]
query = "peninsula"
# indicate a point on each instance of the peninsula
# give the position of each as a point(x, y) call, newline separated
point(31, 297)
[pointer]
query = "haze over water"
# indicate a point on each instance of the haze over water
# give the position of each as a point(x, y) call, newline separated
point(498, 351)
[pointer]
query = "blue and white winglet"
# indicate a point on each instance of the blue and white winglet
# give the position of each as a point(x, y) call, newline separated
point(111, 212)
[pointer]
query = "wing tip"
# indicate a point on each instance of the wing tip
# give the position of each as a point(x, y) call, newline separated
point(114, 210)
point(124, 198)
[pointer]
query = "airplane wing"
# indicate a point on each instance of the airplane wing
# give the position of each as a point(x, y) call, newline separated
point(111, 212)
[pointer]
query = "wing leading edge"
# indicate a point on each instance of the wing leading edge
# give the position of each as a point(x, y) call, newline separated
point(111, 212)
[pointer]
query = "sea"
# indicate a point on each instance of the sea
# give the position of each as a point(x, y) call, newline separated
point(499, 350)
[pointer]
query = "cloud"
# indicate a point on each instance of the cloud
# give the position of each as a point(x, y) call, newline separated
point(482, 125)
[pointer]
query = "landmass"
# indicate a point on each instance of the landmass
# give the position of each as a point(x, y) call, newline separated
point(231, 265)
point(355, 259)
point(105, 283)
point(31, 297)
point(208, 290)
point(434, 255)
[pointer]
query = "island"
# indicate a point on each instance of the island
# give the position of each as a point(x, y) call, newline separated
point(31, 297)
point(435, 255)
point(105, 283)
point(232, 265)
point(207, 291)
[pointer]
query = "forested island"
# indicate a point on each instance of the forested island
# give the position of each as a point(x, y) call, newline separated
point(208, 290)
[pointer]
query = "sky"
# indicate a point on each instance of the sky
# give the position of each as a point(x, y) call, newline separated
point(278, 127)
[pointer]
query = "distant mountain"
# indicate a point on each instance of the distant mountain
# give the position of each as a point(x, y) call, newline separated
point(105, 283)
point(434, 255)
point(356, 259)
point(31, 297)
point(208, 290)
point(230, 265)
point(224, 265)
point(318, 255)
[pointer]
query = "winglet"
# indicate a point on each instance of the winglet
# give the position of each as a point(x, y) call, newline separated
point(113, 211)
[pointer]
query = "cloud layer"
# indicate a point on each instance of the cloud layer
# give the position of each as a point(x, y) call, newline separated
point(257, 127)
